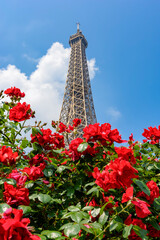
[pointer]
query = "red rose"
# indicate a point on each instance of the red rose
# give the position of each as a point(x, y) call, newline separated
point(14, 92)
point(152, 134)
point(13, 226)
point(7, 157)
point(126, 153)
point(76, 122)
point(102, 133)
point(16, 196)
point(20, 112)
point(16, 175)
point(117, 174)
point(33, 172)
point(128, 195)
point(154, 192)
point(141, 207)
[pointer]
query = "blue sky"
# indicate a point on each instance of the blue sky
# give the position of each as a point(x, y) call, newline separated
point(123, 38)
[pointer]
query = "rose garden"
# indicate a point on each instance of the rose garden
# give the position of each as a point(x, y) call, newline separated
point(89, 189)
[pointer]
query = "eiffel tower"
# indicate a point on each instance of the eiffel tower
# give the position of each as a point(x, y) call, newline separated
point(78, 100)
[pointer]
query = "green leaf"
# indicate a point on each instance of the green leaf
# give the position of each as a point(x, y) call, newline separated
point(140, 232)
point(95, 212)
point(156, 203)
point(82, 147)
point(72, 231)
point(127, 231)
point(73, 209)
point(48, 172)
point(142, 186)
point(3, 207)
point(29, 185)
point(11, 181)
point(154, 223)
point(93, 189)
point(26, 209)
point(76, 216)
point(44, 198)
point(87, 208)
point(114, 225)
point(36, 131)
point(59, 201)
point(33, 196)
point(41, 237)
point(96, 225)
point(27, 129)
point(24, 143)
point(51, 234)
point(60, 169)
point(37, 147)
point(103, 218)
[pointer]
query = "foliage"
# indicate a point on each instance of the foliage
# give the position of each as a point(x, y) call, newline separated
point(89, 189)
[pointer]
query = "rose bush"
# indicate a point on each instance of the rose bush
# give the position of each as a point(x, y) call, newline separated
point(86, 189)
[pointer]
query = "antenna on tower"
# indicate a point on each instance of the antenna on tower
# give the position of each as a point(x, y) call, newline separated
point(78, 26)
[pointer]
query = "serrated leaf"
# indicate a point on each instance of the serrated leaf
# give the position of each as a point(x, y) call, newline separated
point(87, 208)
point(95, 212)
point(44, 198)
point(72, 231)
point(82, 147)
point(103, 218)
point(76, 216)
point(11, 181)
point(142, 186)
point(154, 223)
point(127, 231)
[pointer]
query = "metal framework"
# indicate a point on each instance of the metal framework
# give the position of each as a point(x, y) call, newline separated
point(78, 100)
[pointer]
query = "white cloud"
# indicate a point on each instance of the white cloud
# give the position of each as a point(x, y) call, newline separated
point(114, 114)
point(44, 88)
point(92, 67)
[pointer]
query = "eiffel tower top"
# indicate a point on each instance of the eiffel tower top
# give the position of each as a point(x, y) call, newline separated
point(76, 37)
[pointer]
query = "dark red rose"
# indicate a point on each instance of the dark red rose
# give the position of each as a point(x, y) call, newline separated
point(14, 92)
point(76, 122)
point(20, 112)
point(15, 196)
point(141, 207)
point(7, 157)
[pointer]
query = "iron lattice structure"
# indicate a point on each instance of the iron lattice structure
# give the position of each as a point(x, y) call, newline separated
point(78, 100)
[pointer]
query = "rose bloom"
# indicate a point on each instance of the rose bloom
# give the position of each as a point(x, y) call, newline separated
point(126, 153)
point(19, 177)
point(76, 122)
point(7, 157)
point(15, 196)
point(20, 112)
point(33, 172)
point(14, 227)
point(154, 192)
point(117, 174)
point(14, 92)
